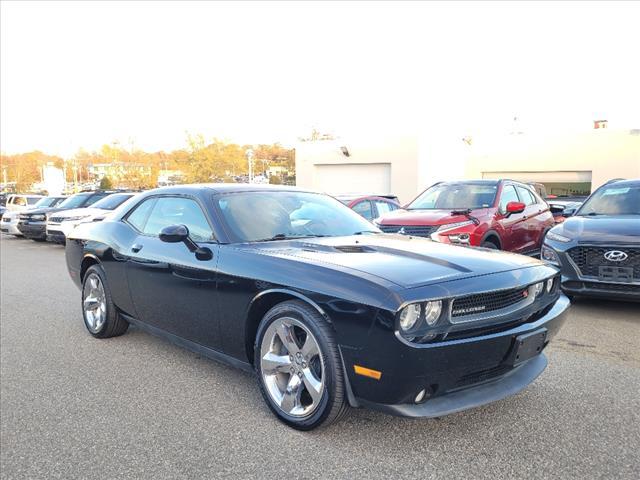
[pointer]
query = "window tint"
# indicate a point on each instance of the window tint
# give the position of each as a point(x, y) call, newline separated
point(291, 214)
point(179, 211)
point(364, 208)
point(384, 207)
point(508, 195)
point(526, 196)
point(139, 216)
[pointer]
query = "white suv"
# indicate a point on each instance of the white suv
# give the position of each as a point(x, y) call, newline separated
point(15, 205)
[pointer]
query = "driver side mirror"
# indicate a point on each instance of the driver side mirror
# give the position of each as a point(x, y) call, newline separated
point(180, 234)
point(515, 207)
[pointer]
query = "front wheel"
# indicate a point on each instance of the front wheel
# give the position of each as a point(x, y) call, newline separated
point(100, 314)
point(299, 366)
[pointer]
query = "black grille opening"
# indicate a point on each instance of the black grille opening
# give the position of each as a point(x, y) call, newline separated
point(613, 287)
point(413, 230)
point(487, 302)
point(482, 375)
point(590, 259)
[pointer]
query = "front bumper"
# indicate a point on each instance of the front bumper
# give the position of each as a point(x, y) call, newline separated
point(457, 374)
point(573, 283)
point(34, 230)
point(10, 228)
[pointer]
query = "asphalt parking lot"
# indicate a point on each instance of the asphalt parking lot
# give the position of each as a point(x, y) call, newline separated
point(137, 406)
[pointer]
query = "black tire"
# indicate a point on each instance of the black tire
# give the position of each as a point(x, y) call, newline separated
point(333, 404)
point(490, 245)
point(114, 324)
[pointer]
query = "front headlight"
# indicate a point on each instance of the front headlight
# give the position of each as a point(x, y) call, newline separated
point(73, 219)
point(557, 237)
point(38, 217)
point(453, 226)
point(549, 285)
point(538, 288)
point(416, 319)
point(548, 254)
point(409, 316)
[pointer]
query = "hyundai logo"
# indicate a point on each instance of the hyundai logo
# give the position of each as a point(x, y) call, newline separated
point(615, 256)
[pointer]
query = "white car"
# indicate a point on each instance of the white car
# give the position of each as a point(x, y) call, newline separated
point(60, 224)
point(20, 203)
point(16, 204)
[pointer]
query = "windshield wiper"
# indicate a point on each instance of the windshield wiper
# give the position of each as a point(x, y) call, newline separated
point(467, 213)
point(362, 232)
point(284, 236)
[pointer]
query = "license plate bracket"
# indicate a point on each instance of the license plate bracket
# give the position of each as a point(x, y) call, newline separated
point(615, 274)
point(527, 346)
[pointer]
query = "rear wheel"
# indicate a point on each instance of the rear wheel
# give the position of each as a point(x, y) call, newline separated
point(299, 366)
point(100, 314)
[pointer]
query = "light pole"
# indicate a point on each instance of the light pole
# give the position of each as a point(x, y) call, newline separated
point(250, 160)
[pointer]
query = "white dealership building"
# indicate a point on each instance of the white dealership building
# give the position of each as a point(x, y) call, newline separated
point(404, 165)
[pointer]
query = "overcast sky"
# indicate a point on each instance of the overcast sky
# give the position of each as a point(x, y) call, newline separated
point(82, 74)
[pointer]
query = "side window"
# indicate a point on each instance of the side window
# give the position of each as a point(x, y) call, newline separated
point(139, 216)
point(364, 209)
point(19, 201)
point(526, 196)
point(508, 195)
point(179, 211)
point(384, 207)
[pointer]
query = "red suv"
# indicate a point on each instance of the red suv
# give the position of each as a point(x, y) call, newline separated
point(499, 214)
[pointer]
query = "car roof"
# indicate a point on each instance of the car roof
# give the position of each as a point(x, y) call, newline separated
point(227, 188)
point(480, 182)
point(623, 183)
point(356, 196)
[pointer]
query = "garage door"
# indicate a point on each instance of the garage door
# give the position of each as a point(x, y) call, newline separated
point(372, 178)
point(579, 176)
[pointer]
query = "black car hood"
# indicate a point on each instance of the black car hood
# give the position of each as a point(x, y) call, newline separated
point(602, 229)
point(404, 261)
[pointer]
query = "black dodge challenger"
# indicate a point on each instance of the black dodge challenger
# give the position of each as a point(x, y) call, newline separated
point(327, 310)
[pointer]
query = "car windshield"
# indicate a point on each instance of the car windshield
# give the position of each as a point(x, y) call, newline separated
point(112, 201)
point(45, 202)
point(613, 200)
point(75, 201)
point(278, 215)
point(456, 196)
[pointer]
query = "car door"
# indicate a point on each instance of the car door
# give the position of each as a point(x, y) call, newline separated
point(533, 225)
point(514, 232)
point(170, 288)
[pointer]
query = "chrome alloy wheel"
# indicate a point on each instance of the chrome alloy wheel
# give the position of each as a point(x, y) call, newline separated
point(292, 367)
point(94, 303)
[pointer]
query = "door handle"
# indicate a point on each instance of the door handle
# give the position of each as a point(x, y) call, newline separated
point(136, 248)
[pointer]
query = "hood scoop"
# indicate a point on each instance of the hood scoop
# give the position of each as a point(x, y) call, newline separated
point(355, 249)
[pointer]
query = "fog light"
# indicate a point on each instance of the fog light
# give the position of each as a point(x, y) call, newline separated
point(420, 395)
point(462, 238)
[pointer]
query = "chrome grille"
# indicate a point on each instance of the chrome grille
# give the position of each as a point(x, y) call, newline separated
point(56, 219)
point(487, 302)
point(590, 259)
point(414, 230)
